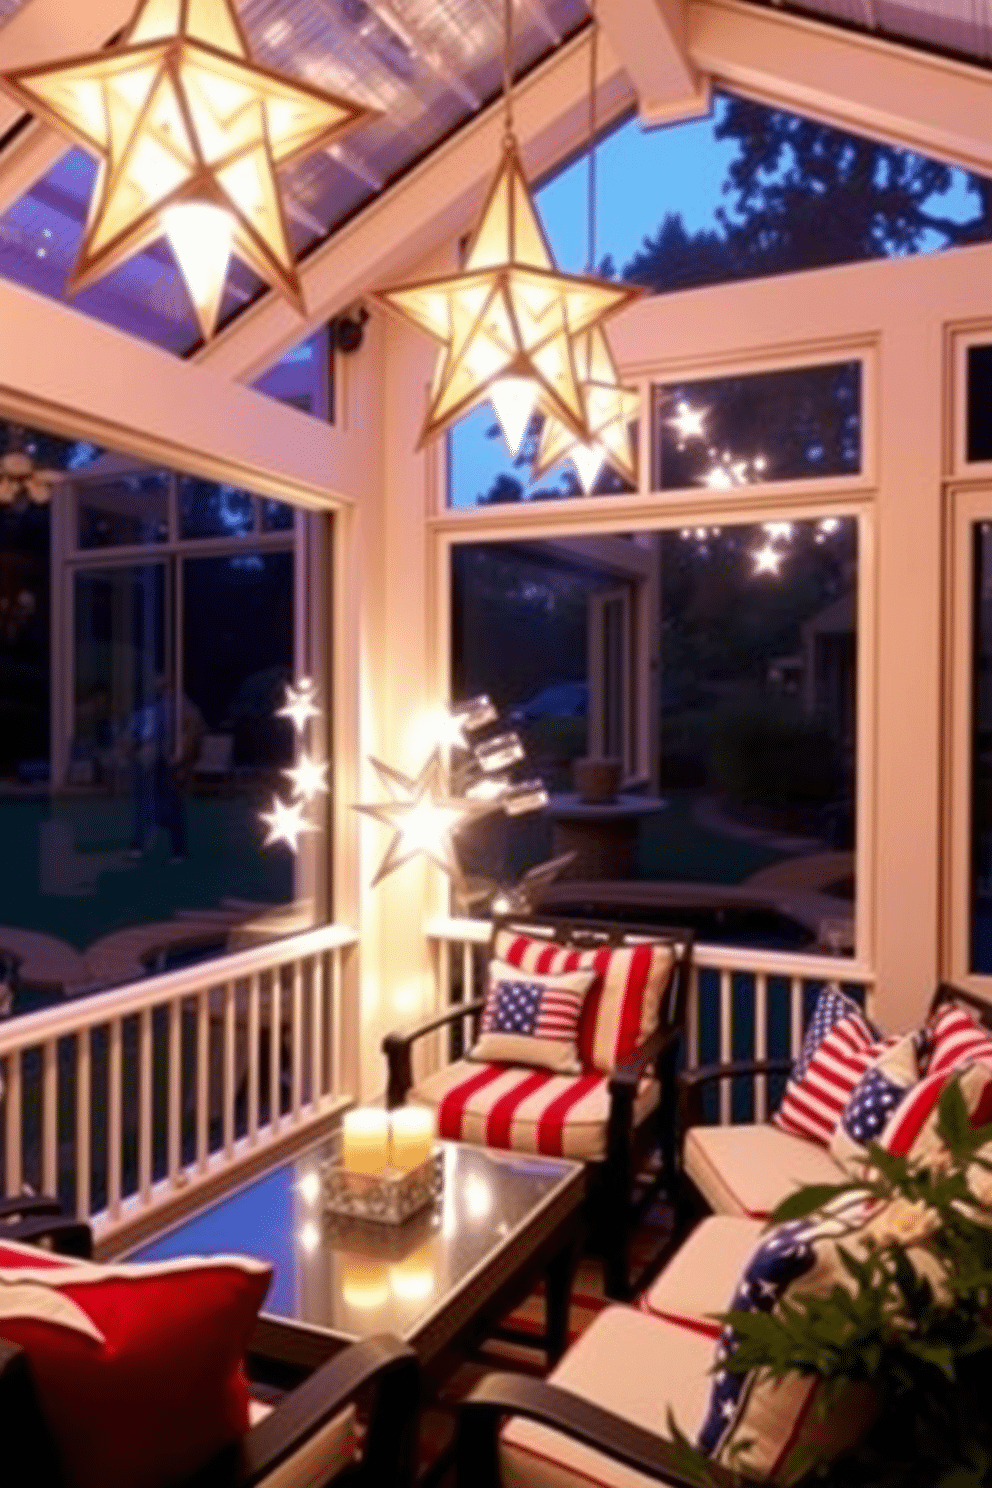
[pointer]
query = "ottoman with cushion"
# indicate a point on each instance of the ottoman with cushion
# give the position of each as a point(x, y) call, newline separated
point(575, 1050)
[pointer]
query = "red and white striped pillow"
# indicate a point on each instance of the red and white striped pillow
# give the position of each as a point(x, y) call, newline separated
point(622, 1007)
point(956, 1037)
point(840, 1046)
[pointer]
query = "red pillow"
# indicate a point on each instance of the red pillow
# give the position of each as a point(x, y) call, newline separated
point(139, 1368)
point(840, 1045)
point(956, 1037)
point(622, 1007)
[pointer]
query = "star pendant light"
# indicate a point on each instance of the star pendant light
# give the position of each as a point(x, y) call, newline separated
point(189, 132)
point(423, 818)
point(608, 406)
point(506, 323)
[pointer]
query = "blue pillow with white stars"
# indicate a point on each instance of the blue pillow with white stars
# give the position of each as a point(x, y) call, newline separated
point(878, 1094)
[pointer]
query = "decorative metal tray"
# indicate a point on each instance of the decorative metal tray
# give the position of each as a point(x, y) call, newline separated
point(387, 1199)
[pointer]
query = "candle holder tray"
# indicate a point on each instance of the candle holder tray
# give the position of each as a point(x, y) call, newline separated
point(387, 1198)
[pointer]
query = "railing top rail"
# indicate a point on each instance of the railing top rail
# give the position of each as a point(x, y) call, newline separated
point(717, 957)
point(101, 1007)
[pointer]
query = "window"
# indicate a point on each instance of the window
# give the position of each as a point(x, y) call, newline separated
point(148, 624)
point(718, 665)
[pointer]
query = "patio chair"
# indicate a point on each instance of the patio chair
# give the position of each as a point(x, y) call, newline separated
point(616, 1110)
point(307, 1439)
point(38, 1219)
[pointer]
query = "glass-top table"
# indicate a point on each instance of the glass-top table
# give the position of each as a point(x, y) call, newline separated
point(502, 1220)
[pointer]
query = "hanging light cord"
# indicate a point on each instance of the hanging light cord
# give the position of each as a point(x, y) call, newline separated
point(507, 71)
point(593, 41)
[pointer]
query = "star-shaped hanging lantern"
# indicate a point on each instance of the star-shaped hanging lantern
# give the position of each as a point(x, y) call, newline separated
point(189, 132)
point(423, 817)
point(286, 823)
point(507, 323)
point(308, 777)
point(609, 409)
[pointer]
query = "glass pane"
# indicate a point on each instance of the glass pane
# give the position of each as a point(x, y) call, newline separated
point(742, 821)
point(25, 625)
point(209, 510)
point(978, 436)
point(482, 471)
point(769, 426)
point(277, 516)
point(302, 377)
point(981, 753)
point(124, 510)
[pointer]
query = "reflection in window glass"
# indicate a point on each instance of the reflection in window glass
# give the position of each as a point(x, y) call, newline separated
point(209, 510)
point(718, 665)
point(725, 432)
point(978, 434)
point(981, 767)
point(277, 516)
point(124, 511)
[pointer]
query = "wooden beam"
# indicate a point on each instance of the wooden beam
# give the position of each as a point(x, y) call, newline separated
point(649, 37)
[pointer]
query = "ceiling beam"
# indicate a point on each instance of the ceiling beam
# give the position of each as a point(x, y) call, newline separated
point(875, 87)
point(63, 371)
point(649, 37)
point(429, 207)
point(39, 31)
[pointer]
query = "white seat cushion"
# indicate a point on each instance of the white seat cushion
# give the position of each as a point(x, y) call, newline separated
point(629, 1363)
point(702, 1276)
point(326, 1453)
point(748, 1170)
point(525, 1110)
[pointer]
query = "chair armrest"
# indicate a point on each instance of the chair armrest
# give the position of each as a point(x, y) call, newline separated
point(66, 1236)
point(498, 1395)
point(630, 1071)
point(382, 1363)
point(30, 1457)
point(692, 1082)
point(397, 1046)
point(19, 1206)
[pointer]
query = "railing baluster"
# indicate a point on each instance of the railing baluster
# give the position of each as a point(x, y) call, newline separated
point(227, 1082)
point(13, 1111)
point(726, 1042)
point(49, 1116)
point(760, 1043)
point(337, 1024)
point(145, 1117)
point(317, 1033)
point(692, 1019)
point(202, 1077)
point(174, 1099)
point(296, 1040)
point(84, 1134)
point(115, 1060)
point(275, 1048)
point(795, 1015)
point(254, 1023)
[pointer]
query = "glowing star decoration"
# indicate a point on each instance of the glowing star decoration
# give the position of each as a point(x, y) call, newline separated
point(507, 323)
point(300, 704)
point(22, 481)
point(609, 410)
point(422, 818)
point(189, 132)
point(308, 777)
point(767, 560)
point(286, 823)
point(688, 422)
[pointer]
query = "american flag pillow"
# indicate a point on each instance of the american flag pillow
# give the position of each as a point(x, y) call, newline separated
point(881, 1090)
point(955, 1038)
point(839, 1046)
point(769, 1428)
point(532, 1018)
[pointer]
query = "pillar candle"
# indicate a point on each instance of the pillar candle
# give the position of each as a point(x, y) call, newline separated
point(412, 1136)
point(365, 1140)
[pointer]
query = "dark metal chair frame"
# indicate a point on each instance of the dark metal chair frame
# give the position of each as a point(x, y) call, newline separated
point(612, 1204)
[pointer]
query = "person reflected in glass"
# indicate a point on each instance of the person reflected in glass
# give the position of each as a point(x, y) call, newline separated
point(159, 770)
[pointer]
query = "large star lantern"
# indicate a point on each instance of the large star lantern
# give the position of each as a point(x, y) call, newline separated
point(609, 410)
point(423, 817)
point(189, 132)
point(507, 323)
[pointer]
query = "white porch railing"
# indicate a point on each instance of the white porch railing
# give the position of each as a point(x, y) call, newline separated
point(743, 1004)
point(131, 1101)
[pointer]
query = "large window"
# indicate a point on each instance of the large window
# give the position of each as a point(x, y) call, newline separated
point(717, 666)
point(149, 623)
